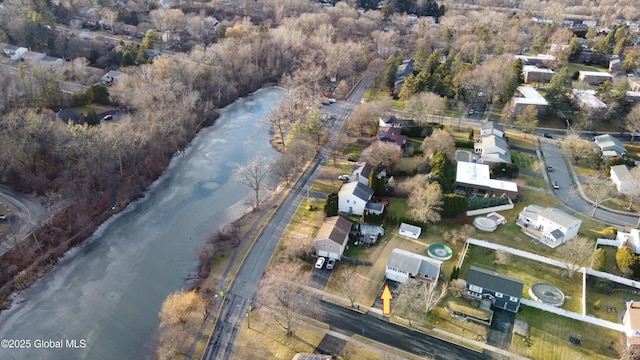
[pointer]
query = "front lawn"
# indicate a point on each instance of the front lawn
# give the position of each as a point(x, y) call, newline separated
point(523, 160)
point(549, 338)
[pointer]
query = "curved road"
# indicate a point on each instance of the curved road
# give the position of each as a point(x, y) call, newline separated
point(25, 217)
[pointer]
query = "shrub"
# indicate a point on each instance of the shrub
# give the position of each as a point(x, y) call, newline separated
point(597, 305)
point(626, 259)
point(599, 260)
point(453, 205)
point(610, 233)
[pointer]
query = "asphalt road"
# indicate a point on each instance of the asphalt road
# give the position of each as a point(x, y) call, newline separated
point(568, 191)
point(349, 322)
point(24, 219)
point(223, 338)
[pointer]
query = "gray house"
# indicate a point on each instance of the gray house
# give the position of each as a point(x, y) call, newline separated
point(503, 291)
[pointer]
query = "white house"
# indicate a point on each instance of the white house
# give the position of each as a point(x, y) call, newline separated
point(610, 146)
point(491, 128)
point(475, 178)
point(492, 149)
point(594, 77)
point(110, 77)
point(624, 181)
point(529, 96)
point(14, 52)
point(411, 231)
point(631, 320)
point(539, 59)
point(535, 74)
point(587, 99)
point(404, 267)
point(353, 198)
point(361, 173)
point(551, 226)
point(332, 237)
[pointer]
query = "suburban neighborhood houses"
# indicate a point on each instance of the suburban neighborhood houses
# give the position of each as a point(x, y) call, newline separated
point(357, 180)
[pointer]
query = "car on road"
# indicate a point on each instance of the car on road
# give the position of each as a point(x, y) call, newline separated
point(547, 135)
point(333, 101)
point(556, 185)
point(108, 117)
point(3, 217)
point(343, 177)
point(320, 262)
point(549, 168)
point(352, 159)
point(471, 112)
point(331, 263)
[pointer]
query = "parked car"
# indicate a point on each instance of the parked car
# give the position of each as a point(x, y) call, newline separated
point(352, 159)
point(331, 263)
point(547, 135)
point(108, 117)
point(320, 262)
point(549, 168)
point(343, 177)
point(556, 185)
point(333, 101)
point(3, 217)
point(471, 112)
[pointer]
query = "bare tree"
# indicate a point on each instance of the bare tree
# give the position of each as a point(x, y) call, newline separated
point(365, 119)
point(633, 192)
point(416, 299)
point(350, 283)
point(282, 116)
point(439, 140)
point(527, 121)
point(502, 257)
point(633, 121)
point(425, 199)
point(458, 287)
point(381, 153)
point(460, 234)
point(284, 168)
point(281, 295)
point(598, 192)
point(338, 145)
point(425, 104)
point(576, 253)
point(348, 351)
point(253, 175)
point(576, 147)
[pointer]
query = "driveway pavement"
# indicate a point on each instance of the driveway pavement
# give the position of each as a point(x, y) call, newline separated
point(501, 329)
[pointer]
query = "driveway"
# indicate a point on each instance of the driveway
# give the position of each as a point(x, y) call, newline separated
point(501, 329)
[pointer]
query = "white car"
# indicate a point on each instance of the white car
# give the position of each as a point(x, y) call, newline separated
point(320, 262)
point(331, 263)
point(556, 185)
point(333, 101)
point(343, 177)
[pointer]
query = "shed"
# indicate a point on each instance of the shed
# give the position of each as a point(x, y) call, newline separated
point(411, 231)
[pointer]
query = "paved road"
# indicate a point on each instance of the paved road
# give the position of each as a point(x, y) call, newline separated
point(349, 322)
point(223, 338)
point(569, 191)
point(24, 219)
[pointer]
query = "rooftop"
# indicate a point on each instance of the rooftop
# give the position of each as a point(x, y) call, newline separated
point(529, 96)
point(335, 228)
point(589, 98)
point(414, 263)
point(493, 281)
point(356, 188)
point(533, 68)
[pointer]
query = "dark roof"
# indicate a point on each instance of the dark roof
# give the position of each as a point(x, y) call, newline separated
point(362, 191)
point(493, 281)
point(374, 206)
point(401, 122)
point(335, 228)
point(12, 47)
point(70, 114)
point(366, 169)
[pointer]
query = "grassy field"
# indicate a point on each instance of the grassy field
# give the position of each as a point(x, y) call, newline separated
point(523, 160)
point(95, 107)
point(549, 338)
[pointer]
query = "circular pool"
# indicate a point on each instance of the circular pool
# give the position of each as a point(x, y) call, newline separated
point(547, 294)
point(485, 224)
point(439, 252)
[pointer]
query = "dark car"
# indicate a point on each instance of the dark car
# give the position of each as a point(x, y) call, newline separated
point(352, 159)
point(547, 135)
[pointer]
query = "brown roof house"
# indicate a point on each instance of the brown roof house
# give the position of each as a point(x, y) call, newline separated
point(332, 237)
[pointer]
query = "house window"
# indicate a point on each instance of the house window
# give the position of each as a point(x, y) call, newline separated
point(347, 201)
point(330, 246)
point(474, 288)
point(498, 295)
point(324, 245)
point(513, 299)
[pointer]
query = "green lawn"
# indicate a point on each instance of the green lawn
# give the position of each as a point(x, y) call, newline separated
point(523, 160)
point(549, 338)
point(369, 94)
point(533, 181)
point(98, 108)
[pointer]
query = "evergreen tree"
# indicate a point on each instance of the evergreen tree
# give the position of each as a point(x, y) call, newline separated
point(558, 88)
point(92, 118)
point(331, 207)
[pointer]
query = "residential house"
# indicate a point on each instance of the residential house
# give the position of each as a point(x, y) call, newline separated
point(629, 239)
point(624, 181)
point(610, 146)
point(586, 99)
point(615, 65)
point(393, 121)
point(130, 29)
point(631, 320)
point(410, 231)
point(405, 69)
point(32, 56)
point(491, 128)
point(466, 156)
point(539, 59)
point(492, 149)
point(503, 291)
point(353, 198)
point(528, 97)
point(51, 61)
point(550, 226)
point(362, 173)
point(632, 97)
point(475, 178)
point(70, 114)
point(14, 52)
point(392, 135)
point(634, 83)
point(535, 74)
point(309, 356)
point(407, 267)
point(374, 208)
point(110, 77)
point(594, 77)
point(332, 237)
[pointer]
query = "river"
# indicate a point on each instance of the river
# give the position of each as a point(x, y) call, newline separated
point(106, 293)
